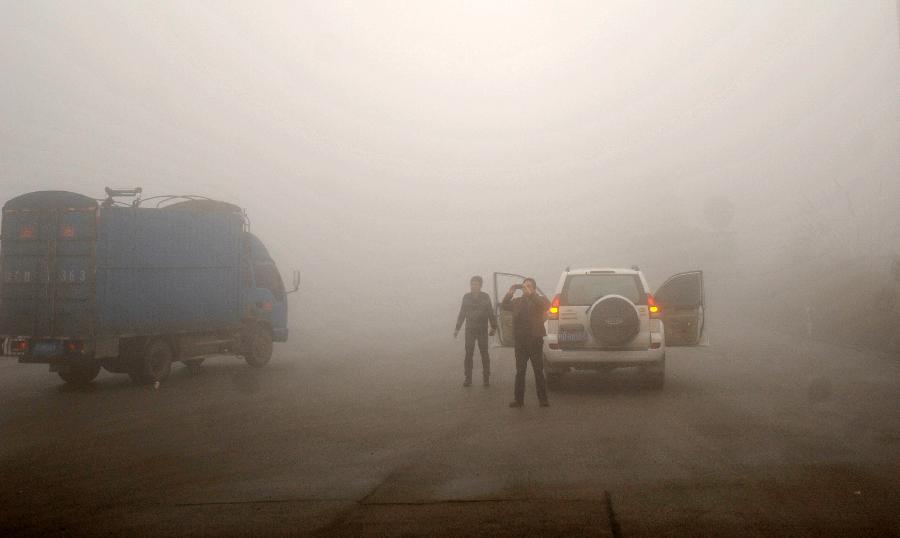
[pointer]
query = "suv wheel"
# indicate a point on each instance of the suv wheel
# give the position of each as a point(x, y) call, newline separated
point(554, 379)
point(614, 320)
point(153, 365)
point(654, 376)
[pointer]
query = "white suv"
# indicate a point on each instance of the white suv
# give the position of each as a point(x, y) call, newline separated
point(605, 318)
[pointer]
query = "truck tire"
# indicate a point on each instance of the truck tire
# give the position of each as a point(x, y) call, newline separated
point(80, 373)
point(153, 364)
point(258, 346)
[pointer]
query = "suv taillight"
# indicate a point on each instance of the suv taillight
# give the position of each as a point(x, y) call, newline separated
point(652, 307)
point(553, 311)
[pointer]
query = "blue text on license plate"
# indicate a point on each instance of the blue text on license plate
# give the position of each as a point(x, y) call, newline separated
point(572, 336)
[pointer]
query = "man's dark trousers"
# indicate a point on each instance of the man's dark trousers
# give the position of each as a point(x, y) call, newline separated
point(530, 350)
point(481, 336)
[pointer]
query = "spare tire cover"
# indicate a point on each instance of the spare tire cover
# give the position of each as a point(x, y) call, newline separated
point(614, 320)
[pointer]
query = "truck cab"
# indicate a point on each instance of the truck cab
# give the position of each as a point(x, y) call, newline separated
point(264, 297)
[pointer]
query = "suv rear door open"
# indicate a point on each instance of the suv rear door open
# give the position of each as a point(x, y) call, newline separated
point(505, 332)
point(681, 300)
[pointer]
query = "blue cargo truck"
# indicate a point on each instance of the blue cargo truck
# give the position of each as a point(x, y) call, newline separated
point(120, 285)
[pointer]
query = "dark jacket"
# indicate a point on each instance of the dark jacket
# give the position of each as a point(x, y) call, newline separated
point(528, 316)
point(477, 311)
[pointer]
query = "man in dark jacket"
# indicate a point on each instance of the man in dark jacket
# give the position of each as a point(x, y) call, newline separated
point(476, 311)
point(528, 329)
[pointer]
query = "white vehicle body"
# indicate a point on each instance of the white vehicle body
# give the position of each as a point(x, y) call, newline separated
point(603, 318)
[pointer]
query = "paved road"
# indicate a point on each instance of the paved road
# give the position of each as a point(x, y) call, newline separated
point(754, 435)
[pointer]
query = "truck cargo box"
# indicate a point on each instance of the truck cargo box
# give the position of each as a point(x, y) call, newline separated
point(73, 268)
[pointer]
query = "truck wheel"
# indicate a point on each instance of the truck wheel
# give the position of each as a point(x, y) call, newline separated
point(655, 376)
point(258, 347)
point(153, 365)
point(80, 373)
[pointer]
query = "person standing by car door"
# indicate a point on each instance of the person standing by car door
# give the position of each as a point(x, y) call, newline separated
point(476, 311)
point(528, 328)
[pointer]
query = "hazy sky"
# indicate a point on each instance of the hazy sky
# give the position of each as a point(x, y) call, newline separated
point(391, 149)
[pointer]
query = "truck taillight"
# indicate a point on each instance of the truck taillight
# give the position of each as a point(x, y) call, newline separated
point(553, 311)
point(652, 307)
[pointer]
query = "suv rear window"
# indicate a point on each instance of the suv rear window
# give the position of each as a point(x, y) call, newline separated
point(584, 290)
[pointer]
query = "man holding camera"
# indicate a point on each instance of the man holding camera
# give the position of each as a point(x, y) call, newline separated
point(528, 312)
point(477, 311)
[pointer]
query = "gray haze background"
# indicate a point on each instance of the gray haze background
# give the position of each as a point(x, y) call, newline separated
point(390, 150)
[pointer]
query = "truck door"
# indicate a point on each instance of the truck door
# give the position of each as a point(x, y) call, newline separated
point(681, 300)
point(48, 266)
point(269, 279)
point(505, 330)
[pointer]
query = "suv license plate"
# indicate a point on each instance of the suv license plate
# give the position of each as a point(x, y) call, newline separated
point(572, 337)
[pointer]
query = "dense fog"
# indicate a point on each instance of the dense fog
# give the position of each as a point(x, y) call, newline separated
point(391, 150)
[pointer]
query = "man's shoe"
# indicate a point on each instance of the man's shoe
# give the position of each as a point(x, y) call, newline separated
point(516, 403)
point(467, 383)
point(545, 403)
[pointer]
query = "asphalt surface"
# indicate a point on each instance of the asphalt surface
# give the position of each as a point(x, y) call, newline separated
point(757, 434)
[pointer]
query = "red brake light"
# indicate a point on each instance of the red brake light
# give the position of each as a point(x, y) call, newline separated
point(553, 311)
point(654, 309)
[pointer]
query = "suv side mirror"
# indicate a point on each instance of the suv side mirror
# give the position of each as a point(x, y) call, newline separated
point(296, 284)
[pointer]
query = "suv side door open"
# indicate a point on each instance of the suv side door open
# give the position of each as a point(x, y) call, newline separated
point(505, 332)
point(681, 300)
